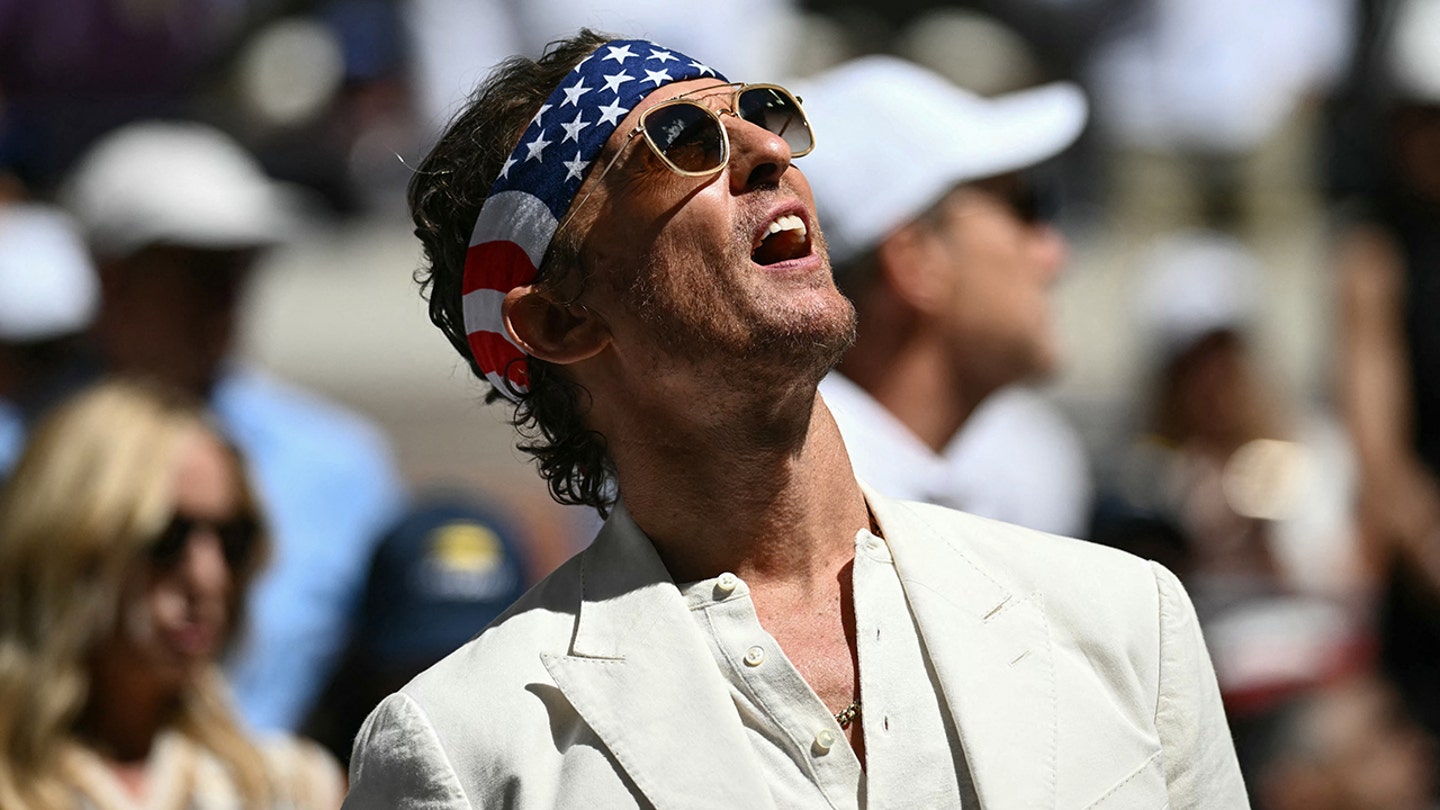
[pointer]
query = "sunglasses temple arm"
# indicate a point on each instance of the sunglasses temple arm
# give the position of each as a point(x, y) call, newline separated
point(615, 158)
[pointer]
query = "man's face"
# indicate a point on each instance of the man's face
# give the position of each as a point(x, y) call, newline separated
point(688, 272)
point(171, 312)
point(1000, 264)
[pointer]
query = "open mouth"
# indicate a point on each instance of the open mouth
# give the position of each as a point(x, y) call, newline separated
point(785, 238)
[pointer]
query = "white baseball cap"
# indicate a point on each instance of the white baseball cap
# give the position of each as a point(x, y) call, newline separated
point(175, 183)
point(47, 283)
point(892, 138)
point(1194, 283)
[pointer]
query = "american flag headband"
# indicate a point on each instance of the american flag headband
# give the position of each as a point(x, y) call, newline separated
point(539, 180)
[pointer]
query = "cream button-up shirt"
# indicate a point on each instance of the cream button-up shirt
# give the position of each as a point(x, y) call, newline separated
point(913, 754)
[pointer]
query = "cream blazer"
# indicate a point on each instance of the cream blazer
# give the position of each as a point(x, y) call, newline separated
point(1076, 674)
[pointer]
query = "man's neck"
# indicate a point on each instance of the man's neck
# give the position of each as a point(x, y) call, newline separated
point(769, 496)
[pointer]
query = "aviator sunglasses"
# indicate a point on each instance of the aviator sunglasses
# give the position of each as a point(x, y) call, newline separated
point(690, 139)
point(237, 538)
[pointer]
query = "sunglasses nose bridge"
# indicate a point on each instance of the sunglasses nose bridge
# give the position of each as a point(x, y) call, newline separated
point(202, 564)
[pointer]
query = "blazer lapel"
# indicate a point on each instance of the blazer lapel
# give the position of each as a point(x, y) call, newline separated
point(992, 654)
point(640, 674)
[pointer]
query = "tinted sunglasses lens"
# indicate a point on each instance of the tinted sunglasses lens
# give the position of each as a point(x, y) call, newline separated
point(237, 540)
point(687, 135)
point(166, 549)
point(777, 111)
point(1034, 204)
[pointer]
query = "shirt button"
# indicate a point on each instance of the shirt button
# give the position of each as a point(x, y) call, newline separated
point(754, 656)
point(824, 741)
point(726, 583)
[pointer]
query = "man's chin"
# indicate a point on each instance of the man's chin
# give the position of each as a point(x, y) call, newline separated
point(811, 345)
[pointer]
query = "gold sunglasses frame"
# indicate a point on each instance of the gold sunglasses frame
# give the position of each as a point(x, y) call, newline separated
point(684, 98)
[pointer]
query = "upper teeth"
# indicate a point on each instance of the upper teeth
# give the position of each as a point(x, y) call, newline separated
point(789, 222)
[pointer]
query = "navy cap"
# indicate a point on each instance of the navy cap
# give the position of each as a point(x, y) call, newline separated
point(448, 569)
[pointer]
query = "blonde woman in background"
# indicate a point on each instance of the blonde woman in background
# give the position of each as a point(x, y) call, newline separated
point(128, 535)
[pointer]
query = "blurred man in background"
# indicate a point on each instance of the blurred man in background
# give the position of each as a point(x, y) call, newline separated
point(176, 216)
point(931, 221)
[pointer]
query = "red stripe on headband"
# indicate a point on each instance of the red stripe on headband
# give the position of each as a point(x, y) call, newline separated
point(498, 265)
point(495, 354)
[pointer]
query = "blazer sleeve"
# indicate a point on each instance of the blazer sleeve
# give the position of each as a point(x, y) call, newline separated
point(1201, 770)
point(399, 764)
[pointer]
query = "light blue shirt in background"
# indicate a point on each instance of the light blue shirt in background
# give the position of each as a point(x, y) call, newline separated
point(330, 489)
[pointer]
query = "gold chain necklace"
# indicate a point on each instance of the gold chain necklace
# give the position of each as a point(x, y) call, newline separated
point(847, 715)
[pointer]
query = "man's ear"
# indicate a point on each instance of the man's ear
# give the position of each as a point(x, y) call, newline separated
point(552, 331)
point(913, 266)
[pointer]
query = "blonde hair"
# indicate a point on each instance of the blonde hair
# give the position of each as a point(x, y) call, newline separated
point(92, 490)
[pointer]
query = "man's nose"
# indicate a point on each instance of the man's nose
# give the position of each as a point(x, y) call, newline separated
point(1050, 249)
point(758, 157)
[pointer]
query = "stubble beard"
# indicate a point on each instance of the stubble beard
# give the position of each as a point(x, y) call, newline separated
point(698, 324)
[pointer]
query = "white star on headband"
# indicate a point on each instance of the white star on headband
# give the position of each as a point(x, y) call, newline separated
point(661, 56)
point(614, 80)
point(536, 147)
point(505, 170)
point(574, 128)
point(543, 109)
point(659, 77)
point(619, 54)
point(574, 168)
point(610, 113)
point(702, 68)
point(574, 92)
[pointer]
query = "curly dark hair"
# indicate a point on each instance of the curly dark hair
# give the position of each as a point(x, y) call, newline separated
point(445, 196)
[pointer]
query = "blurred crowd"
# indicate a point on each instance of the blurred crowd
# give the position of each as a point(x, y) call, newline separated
point(1233, 209)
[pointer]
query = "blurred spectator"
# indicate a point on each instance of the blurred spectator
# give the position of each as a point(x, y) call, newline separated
point(930, 218)
point(1388, 253)
point(176, 216)
point(1345, 747)
point(48, 295)
point(1260, 484)
point(1259, 487)
point(449, 568)
point(128, 539)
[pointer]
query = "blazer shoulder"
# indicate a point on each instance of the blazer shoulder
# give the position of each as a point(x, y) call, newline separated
point(1092, 591)
point(1028, 556)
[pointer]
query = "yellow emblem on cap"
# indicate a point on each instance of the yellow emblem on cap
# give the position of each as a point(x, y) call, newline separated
point(467, 547)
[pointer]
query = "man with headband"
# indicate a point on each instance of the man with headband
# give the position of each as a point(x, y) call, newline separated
point(619, 241)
